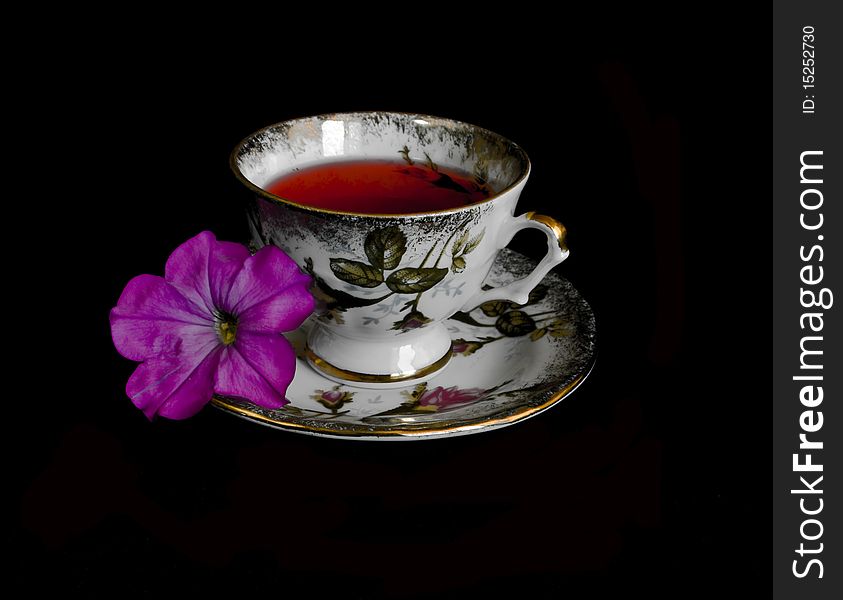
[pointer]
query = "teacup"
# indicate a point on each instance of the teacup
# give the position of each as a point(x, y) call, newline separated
point(384, 284)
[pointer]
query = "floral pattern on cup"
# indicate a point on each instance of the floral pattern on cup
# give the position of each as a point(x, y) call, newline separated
point(480, 174)
point(519, 375)
point(511, 321)
point(413, 320)
point(462, 347)
point(384, 249)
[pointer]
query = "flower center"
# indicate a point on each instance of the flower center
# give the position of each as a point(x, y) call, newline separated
point(226, 326)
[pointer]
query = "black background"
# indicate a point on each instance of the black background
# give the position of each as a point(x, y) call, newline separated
point(645, 142)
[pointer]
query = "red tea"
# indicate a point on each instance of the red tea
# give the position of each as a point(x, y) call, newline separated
point(379, 187)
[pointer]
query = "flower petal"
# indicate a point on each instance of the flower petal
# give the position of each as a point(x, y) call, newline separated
point(226, 261)
point(152, 317)
point(139, 339)
point(174, 388)
point(281, 312)
point(258, 368)
point(187, 269)
point(264, 275)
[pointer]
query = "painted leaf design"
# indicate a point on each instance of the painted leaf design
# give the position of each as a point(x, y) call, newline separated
point(333, 298)
point(538, 334)
point(560, 328)
point(495, 308)
point(413, 320)
point(474, 242)
point(343, 301)
point(481, 172)
point(515, 324)
point(458, 264)
point(538, 294)
point(413, 281)
point(467, 319)
point(459, 242)
point(417, 391)
point(356, 273)
point(405, 154)
point(385, 247)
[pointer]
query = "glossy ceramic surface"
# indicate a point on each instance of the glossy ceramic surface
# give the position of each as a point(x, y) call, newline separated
point(364, 265)
point(509, 362)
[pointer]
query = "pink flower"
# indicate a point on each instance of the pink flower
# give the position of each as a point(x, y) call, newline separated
point(464, 347)
point(333, 398)
point(445, 397)
point(212, 324)
point(413, 320)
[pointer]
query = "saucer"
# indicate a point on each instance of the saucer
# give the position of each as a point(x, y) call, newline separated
point(509, 363)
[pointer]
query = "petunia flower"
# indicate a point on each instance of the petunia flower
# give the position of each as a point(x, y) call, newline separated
point(212, 324)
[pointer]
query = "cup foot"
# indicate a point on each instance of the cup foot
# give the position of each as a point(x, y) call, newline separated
point(404, 360)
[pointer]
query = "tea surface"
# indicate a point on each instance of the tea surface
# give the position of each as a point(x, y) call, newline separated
point(379, 187)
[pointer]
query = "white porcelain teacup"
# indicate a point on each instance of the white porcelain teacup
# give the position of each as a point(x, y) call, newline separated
point(386, 283)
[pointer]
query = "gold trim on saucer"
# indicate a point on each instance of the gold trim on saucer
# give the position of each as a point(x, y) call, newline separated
point(404, 430)
point(558, 228)
point(334, 371)
point(558, 365)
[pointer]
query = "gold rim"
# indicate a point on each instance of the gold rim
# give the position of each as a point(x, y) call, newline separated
point(558, 228)
point(406, 430)
point(232, 163)
point(334, 371)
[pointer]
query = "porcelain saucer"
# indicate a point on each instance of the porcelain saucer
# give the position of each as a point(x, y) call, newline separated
point(509, 363)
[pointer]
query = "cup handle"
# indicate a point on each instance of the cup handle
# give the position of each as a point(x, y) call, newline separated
point(519, 291)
